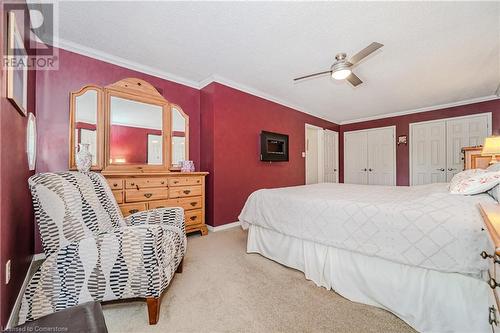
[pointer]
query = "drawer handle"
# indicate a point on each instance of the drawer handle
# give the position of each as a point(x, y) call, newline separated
point(176, 182)
point(186, 191)
point(193, 203)
point(162, 182)
point(492, 318)
point(148, 195)
point(485, 255)
point(192, 218)
point(133, 211)
point(198, 181)
point(495, 258)
point(132, 184)
point(115, 184)
point(493, 283)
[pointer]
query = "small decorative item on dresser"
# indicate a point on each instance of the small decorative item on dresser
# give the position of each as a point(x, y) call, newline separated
point(83, 158)
point(187, 166)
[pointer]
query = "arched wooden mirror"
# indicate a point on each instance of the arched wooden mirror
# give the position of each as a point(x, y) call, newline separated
point(180, 137)
point(87, 124)
point(130, 126)
point(137, 127)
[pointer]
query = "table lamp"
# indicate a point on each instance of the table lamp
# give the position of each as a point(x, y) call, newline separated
point(491, 148)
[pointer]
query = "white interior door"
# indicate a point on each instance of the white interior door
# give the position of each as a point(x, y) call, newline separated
point(457, 136)
point(479, 128)
point(356, 157)
point(382, 156)
point(331, 156)
point(311, 155)
point(428, 152)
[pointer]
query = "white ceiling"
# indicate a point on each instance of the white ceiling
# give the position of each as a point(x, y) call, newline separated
point(435, 52)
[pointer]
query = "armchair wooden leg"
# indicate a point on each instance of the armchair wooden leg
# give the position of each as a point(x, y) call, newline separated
point(153, 309)
point(179, 268)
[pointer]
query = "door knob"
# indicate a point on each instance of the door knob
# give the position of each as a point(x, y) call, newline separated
point(442, 169)
point(363, 169)
point(451, 169)
point(334, 169)
point(370, 169)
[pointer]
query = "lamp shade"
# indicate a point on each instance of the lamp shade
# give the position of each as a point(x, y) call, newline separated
point(491, 146)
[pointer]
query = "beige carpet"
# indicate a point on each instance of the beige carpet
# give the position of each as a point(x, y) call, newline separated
point(224, 289)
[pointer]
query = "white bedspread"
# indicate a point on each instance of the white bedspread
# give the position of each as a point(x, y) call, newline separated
point(422, 226)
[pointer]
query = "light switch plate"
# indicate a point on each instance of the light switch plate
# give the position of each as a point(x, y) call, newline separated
point(7, 272)
point(303, 154)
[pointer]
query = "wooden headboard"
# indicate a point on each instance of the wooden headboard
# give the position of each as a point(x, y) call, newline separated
point(473, 158)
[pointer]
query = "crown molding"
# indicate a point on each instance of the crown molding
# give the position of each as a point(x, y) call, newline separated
point(261, 94)
point(425, 109)
point(115, 60)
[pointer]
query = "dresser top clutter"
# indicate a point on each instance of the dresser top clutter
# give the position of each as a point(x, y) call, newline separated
point(138, 141)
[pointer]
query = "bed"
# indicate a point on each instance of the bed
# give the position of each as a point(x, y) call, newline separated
point(411, 250)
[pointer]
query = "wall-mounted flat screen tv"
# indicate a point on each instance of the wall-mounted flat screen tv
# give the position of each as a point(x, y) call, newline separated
point(273, 147)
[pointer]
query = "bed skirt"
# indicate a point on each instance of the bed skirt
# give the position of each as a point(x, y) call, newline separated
point(429, 301)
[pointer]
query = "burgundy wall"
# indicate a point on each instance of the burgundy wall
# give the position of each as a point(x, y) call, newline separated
point(75, 71)
point(231, 124)
point(130, 143)
point(16, 215)
point(402, 124)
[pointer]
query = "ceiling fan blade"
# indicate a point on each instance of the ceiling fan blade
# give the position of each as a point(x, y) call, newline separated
point(365, 52)
point(354, 80)
point(311, 75)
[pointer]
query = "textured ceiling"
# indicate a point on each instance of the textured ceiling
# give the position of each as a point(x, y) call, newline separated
point(435, 52)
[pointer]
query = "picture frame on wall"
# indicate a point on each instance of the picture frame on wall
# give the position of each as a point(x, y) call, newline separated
point(17, 68)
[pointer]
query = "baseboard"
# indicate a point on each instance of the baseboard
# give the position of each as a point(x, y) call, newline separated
point(223, 227)
point(14, 313)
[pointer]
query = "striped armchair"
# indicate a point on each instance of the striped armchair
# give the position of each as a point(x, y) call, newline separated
point(92, 252)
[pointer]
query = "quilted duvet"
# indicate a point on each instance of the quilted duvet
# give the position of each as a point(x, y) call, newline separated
point(422, 226)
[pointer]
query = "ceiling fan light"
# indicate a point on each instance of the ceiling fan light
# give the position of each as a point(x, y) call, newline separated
point(341, 74)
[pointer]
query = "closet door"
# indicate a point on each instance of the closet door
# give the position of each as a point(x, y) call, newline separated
point(331, 156)
point(356, 157)
point(457, 136)
point(381, 156)
point(428, 152)
point(478, 130)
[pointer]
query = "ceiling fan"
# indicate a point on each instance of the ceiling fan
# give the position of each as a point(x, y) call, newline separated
point(342, 68)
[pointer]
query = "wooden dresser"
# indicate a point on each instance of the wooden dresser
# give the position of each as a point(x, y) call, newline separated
point(139, 191)
point(491, 216)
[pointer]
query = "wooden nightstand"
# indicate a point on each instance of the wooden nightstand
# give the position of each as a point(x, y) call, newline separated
point(491, 217)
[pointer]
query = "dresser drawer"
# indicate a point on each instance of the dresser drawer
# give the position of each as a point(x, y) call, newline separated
point(193, 217)
point(163, 204)
point(140, 183)
point(118, 196)
point(190, 203)
point(183, 181)
point(186, 191)
point(129, 209)
point(115, 183)
point(146, 194)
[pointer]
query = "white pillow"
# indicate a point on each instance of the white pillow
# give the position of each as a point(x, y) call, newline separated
point(478, 182)
point(494, 167)
point(461, 176)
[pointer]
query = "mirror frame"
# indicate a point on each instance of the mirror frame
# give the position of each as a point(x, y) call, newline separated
point(139, 91)
point(99, 127)
point(186, 117)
